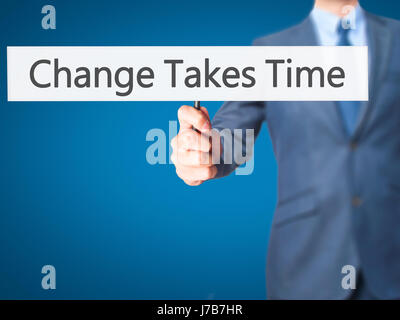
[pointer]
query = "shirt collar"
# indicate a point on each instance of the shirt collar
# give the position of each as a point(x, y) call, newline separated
point(326, 23)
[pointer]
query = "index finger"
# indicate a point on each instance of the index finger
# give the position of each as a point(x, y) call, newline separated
point(190, 117)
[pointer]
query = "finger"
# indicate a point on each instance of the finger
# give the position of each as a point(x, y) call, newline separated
point(196, 174)
point(190, 117)
point(205, 111)
point(193, 158)
point(193, 183)
point(189, 139)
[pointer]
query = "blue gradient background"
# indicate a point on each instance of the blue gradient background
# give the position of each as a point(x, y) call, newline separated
point(76, 191)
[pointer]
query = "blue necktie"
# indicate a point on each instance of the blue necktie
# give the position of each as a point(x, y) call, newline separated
point(348, 109)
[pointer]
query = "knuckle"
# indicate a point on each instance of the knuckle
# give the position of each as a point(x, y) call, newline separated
point(180, 174)
point(185, 157)
point(174, 158)
point(188, 138)
point(205, 144)
point(200, 120)
point(199, 158)
point(174, 142)
point(189, 158)
point(179, 156)
point(204, 158)
point(210, 172)
point(181, 112)
point(191, 182)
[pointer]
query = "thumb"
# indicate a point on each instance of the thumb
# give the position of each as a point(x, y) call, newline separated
point(204, 110)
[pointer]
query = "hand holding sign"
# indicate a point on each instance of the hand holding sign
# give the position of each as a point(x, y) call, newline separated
point(193, 149)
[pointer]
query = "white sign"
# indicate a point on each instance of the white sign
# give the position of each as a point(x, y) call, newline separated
point(256, 73)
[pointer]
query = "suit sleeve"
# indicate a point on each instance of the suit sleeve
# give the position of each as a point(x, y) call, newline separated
point(237, 117)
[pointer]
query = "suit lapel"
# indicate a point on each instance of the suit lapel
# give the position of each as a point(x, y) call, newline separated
point(326, 111)
point(379, 40)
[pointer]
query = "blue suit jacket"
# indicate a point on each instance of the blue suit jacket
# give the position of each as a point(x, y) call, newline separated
point(338, 196)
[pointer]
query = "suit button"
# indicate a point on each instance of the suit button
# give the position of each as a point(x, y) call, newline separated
point(353, 145)
point(356, 201)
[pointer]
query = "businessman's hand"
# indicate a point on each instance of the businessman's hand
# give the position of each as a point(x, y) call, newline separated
point(193, 150)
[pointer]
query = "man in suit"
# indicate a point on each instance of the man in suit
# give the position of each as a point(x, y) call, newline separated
point(338, 166)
